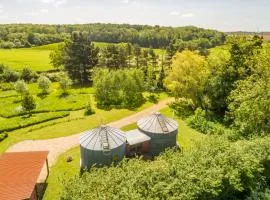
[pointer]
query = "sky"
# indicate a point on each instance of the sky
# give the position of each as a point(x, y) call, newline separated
point(223, 15)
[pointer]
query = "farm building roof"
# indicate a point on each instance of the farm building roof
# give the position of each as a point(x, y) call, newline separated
point(136, 137)
point(102, 137)
point(19, 172)
point(157, 123)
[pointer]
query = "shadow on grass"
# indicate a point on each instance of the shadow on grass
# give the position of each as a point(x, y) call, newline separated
point(129, 107)
point(42, 95)
point(63, 95)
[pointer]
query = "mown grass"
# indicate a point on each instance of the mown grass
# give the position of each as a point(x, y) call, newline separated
point(9, 124)
point(76, 122)
point(55, 101)
point(63, 170)
point(38, 58)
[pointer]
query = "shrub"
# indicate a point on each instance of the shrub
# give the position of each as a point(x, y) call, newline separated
point(200, 122)
point(152, 98)
point(28, 103)
point(44, 84)
point(27, 74)
point(18, 122)
point(214, 169)
point(88, 109)
point(20, 87)
point(183, 107)
point(9, 75)
point(65, 82)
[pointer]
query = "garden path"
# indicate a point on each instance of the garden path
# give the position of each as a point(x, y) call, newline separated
point(57, 146)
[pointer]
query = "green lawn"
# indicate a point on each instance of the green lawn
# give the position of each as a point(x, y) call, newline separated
point(63, 170)
point(76, 122)
point(54, 101)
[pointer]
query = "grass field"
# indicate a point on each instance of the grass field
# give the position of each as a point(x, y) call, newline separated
point(36, 58)
point(63, 170)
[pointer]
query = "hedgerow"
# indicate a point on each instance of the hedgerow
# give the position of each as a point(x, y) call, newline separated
point(14, 123)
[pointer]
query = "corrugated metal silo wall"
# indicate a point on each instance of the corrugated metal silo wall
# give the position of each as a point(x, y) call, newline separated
point(90, 157)
point(159, 142)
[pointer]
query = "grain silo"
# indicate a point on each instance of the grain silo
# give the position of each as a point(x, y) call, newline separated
point(162, 131)
point(102, 146)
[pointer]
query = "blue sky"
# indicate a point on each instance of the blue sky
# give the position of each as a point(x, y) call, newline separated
point(224, 15)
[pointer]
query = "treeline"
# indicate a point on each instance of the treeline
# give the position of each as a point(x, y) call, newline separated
point(25, 35)
point(78, 57)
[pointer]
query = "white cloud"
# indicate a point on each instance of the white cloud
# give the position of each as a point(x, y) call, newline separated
point(187, 15)
point(174, 13)
point(37, 13)
point(59, 3)
point(55, 3)
point(125, 1)
point(44, 11)
point(1, 11)
point(47, 1)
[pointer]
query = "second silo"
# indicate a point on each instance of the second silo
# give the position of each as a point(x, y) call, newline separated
point(102, 146)
point(162, 131)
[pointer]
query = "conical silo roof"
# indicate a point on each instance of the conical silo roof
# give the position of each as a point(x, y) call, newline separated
point(157, 123)
point(103, 138)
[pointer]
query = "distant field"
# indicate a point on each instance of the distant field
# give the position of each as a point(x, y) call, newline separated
point(36, 58)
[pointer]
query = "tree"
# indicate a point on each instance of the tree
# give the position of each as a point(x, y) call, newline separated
point(28, 103)
point(161, 78)
point(249, 103)
point(188, 75)
point(78, 56)
point(228, 65)
point(21, 87)
point(65, 82)
point(44, 84)
point(119, 87)
point(137, 53)
point(129, 54)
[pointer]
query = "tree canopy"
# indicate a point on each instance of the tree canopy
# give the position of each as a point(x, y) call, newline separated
point(26, 35)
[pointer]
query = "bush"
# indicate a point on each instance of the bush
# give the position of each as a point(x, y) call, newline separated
point(44, 84)
point(200, 122)
point(88, 109)
point(28, 103)
point(64, 81)
point(214, 169)
point(9, 75)
point(21, 87)
point(7, 45)
point(152, 98)
point(183, 107)
point(28, 75)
